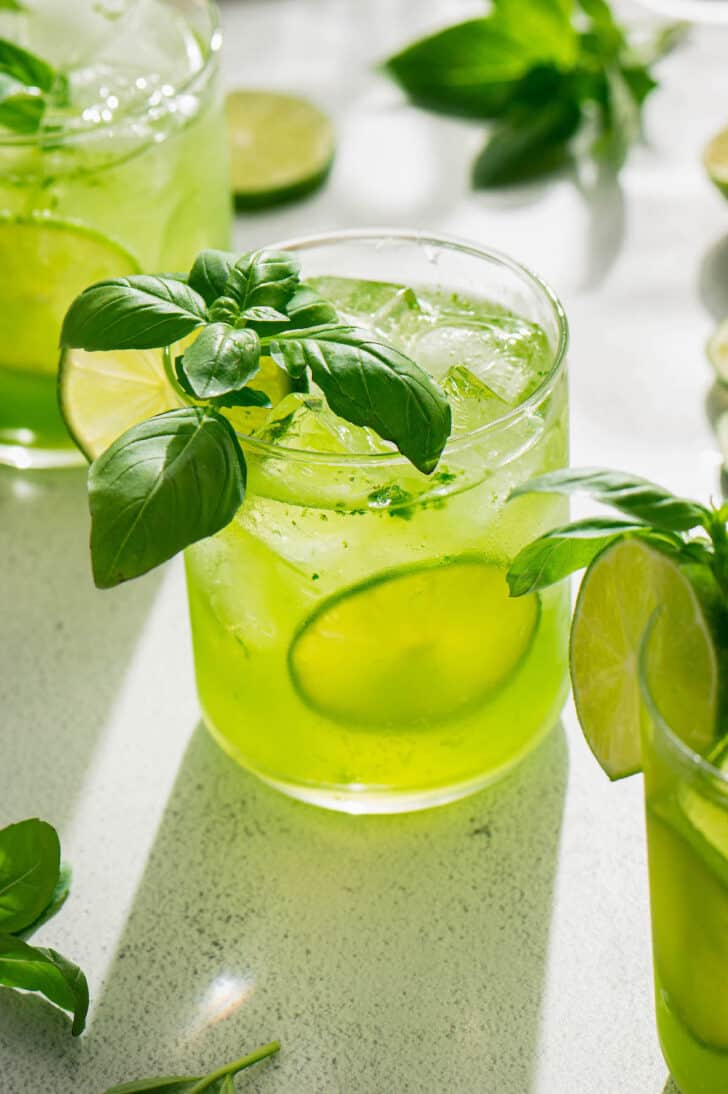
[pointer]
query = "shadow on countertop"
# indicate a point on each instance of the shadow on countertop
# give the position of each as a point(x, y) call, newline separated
point(64, 646)
point(387, 953)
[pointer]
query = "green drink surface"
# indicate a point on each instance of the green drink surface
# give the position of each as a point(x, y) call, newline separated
point(354, 639)
point(131, 154)
point(687, 831)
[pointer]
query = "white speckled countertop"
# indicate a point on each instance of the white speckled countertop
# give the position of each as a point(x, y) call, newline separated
point(498, 946)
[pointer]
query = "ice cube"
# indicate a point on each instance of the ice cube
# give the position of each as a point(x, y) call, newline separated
point(402, 319)
point(473, 403)
point(509, 355)
point(306, 422)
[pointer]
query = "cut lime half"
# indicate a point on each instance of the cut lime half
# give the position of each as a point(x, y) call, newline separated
point(621, 590)
point(415, 646)
point(103, 394)
point(715, 158)
point(44, 264)
point(282, 147)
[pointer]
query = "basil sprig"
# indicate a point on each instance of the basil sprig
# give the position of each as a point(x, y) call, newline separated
point(180, 476)
point(34, 886)
point(683, 528)
point(539, 71)
point(219, 1081)
point(26, 81)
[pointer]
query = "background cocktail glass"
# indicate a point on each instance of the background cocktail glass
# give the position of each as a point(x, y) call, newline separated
point(686, 800)
point(354, 641)
point(132, 175)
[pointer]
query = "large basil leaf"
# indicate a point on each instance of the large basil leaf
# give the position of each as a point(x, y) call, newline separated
point(138, 312)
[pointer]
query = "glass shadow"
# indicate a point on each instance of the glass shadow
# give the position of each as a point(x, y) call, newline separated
point(387, 953)
point(65, 646)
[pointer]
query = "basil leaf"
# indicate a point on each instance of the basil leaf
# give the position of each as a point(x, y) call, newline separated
point(21, 107)
point(139, 312)
point(25, 67)
point(220, 360)
point(164, 484)
point(307, 308)
point(30, 856)
point(263, 279)
point(59, 897)
point(631, 495)
point(562, 551)
point(372, 385)
point(264, 315)
point(248, 396)
point(210, 273)
point(47, 972)
point(543, 27)
point(469, 69)
point(528, 143)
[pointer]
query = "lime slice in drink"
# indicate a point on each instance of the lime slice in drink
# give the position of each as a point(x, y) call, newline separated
point(104, 394)
point(717, 350)
point(44, 264)
point(282, 147)
point(413, 646)
point(619, 594)
point(715, 158)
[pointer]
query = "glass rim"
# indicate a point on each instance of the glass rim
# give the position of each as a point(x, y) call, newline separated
point(454, 444)
point(67, 134)
point(686, 754)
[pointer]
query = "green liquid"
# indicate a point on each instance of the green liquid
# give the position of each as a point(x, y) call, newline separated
point(439, 688)
point(689, 896)
point(154, 183)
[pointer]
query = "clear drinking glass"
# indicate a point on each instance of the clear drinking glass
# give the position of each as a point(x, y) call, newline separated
point(686, 799)
point(354, 640)
point(128, 173)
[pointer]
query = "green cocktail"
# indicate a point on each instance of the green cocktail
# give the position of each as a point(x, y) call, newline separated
point(354, 639)
point(686, 798)
point(126, 170)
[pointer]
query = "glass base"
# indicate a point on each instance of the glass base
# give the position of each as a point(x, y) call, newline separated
point(363, 800)
point(25, 457)
point(696, 1068)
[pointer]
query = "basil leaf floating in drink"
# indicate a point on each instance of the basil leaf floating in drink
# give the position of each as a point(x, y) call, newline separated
point(180, 476)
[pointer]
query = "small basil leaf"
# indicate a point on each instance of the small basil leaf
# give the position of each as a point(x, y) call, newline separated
point(164, 484)
point(634, 496)
point(220, 360)
point(563, 551)
point(264, 315)
point(263, 279)
point(372, 385)
point(25, 67)
point(248, 396)
point(543, 27)
point(224, 310)
point(172, 1084)
point(307, 308)
point(30, 860)
point(59, 897)
point(210, 273)
point(139, 312)
point(21, 107)
point(529, 142)
point(46, 972)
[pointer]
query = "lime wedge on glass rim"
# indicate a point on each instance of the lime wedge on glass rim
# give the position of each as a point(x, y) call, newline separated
point(46, 262)
point(281, 147)
point(414, 645)
point(102, 394)
point(619, 595)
